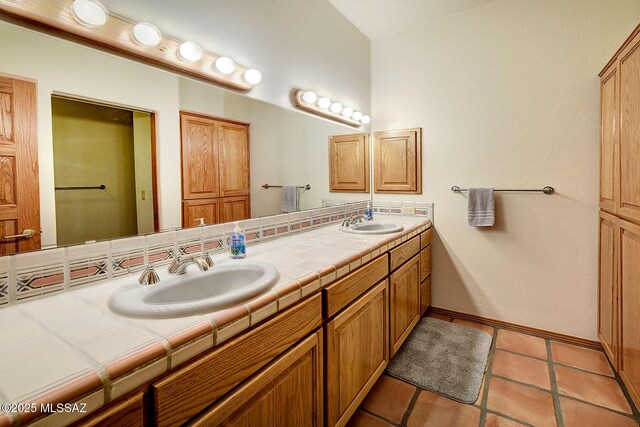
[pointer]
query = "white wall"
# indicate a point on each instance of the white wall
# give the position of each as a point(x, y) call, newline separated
point(507, 96)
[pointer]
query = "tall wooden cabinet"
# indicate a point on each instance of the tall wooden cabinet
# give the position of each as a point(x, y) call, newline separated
point(215, 169)
point(619, 236)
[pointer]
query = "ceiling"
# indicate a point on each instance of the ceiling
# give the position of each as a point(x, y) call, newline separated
point(378, 18)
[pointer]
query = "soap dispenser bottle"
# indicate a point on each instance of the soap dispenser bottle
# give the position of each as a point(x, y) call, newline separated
point(237, 248)
point(368, 212)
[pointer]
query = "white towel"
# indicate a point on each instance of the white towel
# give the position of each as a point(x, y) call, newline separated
point(480, 207)
point(290, 199)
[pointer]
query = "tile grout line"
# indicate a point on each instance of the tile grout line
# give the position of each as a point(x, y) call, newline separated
point(487, 378)
point(412, 404)
point(380, 417)
point(554, 385)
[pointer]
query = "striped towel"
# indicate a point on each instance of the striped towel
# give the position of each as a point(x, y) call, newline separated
point(480, 209)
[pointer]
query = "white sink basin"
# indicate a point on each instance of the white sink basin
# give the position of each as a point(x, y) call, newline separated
point(372, 227)
point(223, 285)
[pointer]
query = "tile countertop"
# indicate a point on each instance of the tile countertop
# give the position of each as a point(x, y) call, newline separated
point(70, 347)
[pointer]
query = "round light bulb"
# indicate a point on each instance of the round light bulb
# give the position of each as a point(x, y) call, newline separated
point(336, 108)
point(323, 103)
point(356, 116)
point(252, 76)
point(147, 35)
point(365, 120)
point(190, 52)
point(90, 12)
point(309, 97)
point(225, 65)
point(347, 111)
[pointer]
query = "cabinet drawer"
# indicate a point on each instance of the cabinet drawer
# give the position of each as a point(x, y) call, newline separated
point(340, 294)
point(425, 239)
point(287, 392)
point(404, 252)
point(357, 352)
point(127, 413)
point(425, 295)
point(425, 263)
point(184, 393)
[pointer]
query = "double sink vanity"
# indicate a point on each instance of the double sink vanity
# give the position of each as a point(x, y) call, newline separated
point(298, 332)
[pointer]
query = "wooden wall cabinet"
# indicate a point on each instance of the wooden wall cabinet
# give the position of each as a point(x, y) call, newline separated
point(619, 248)
point(397, 158)
point(357, 353)
point(215, 169)
point(349, 163)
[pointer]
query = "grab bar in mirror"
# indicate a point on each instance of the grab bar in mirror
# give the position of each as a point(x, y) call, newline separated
point(96, 187)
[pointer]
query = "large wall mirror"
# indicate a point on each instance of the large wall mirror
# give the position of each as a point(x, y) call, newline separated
point(108, 136)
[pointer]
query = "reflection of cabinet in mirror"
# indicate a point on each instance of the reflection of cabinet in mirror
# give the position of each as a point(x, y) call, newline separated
point(349, 163)
point(19, 192)
point(215, 169)
point(398, 161)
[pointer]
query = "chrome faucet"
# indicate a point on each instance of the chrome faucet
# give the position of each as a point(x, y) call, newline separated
point(180, 264)
point(355, 220)
point(148, 276)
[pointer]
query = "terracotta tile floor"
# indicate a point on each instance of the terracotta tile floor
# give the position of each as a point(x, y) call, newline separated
point(530, 381)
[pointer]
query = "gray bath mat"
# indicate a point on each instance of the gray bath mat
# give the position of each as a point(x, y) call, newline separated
point(443, 357)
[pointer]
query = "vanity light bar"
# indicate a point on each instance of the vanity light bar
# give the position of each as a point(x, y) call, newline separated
point(89, 20)
point(309, 101)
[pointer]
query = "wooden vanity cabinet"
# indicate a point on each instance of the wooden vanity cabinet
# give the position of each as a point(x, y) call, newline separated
point(425, 271)
point(288, 392)
point(125, 413)
point(357, 352)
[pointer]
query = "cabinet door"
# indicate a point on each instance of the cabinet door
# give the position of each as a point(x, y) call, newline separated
point(425, 263)
point(192, 210)
point(356, 353)
point(288, 392)
point(349, 163)
point(608, 287)
point(425, 295)
point(629, 137)
point(127, 413)
point(404, 302)
point(199, 141)
point(608, 133)
point(629, 276)
point(234, 208)
point(398, 161)
point(234, 159)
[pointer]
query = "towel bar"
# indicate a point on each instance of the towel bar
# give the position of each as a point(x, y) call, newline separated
point(546, 190)
point(268, 186)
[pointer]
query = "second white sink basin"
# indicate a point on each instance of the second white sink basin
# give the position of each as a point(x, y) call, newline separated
point(373, 227)
point(223, 285)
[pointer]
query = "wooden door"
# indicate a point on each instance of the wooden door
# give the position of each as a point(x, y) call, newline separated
point(398, 161)
point(357, 352)
point(608, 139)
point(199, 157)
point(19, 190)
point(288, 392)
point(349, 163)
point(404, 302)
point(234, 208)
point(628, 198)
point(233, 142)
point(608, 286)
point(629, 276)
point(192, 210)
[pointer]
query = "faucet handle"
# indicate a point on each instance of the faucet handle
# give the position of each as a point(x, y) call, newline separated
point(149, 276)
point(206, 257)
point(201, 220)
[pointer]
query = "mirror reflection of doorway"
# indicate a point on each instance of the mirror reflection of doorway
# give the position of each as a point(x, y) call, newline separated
point(103, 171)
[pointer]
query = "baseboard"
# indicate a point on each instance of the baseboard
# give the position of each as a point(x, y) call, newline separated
point(529, 330)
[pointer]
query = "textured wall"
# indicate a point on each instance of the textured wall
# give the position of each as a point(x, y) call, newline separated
point(507, 96)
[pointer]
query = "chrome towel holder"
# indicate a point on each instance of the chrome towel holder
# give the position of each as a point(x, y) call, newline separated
point(546, 190)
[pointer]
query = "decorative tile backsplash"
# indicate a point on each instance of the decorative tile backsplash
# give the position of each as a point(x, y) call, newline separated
point(34, 274)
